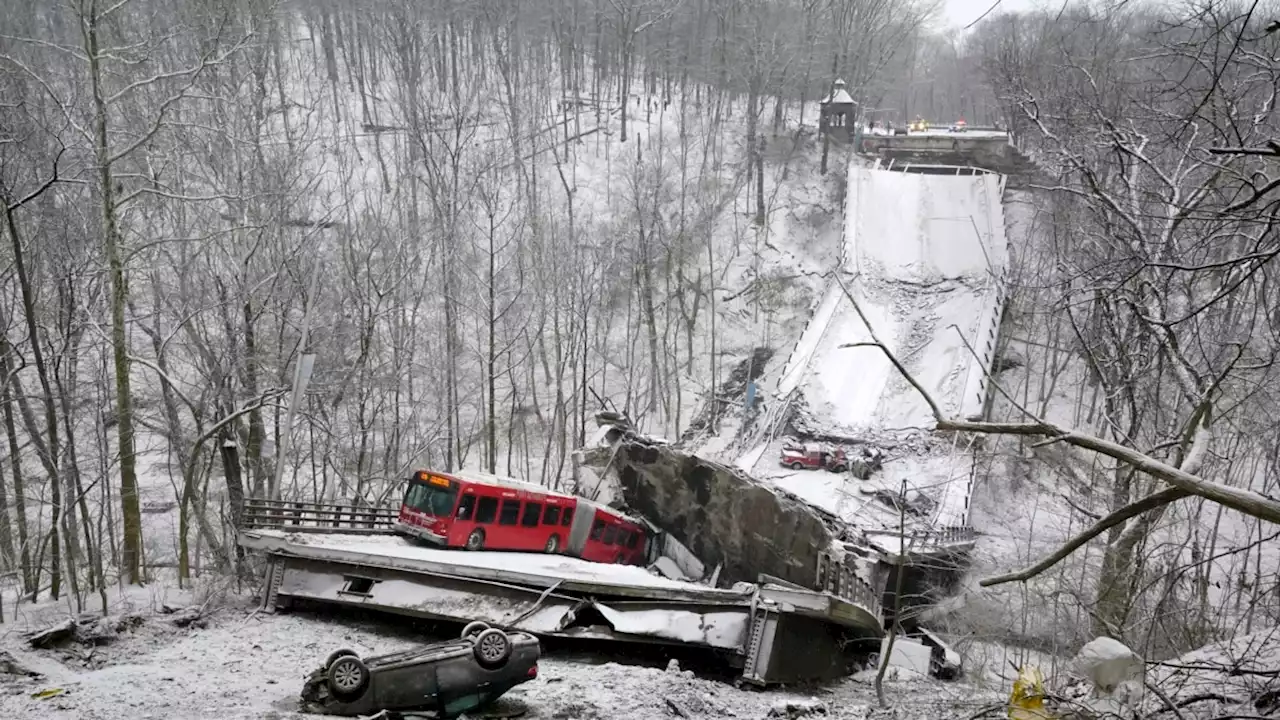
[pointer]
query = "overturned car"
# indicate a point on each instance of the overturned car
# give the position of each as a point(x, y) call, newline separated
point(441, 680)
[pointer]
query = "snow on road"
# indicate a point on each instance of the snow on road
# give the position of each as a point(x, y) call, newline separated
point(923, 256)
point(925, 249)
point(552, 567)
point(921, 229)
point(849, 382)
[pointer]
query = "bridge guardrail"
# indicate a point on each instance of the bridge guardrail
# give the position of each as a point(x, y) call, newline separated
point(296, 516)
point(842, 580)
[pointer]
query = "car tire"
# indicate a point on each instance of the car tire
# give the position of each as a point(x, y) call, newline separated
point(344, 652)
point(492, 648)
point(553, 545)
point(474, 628)
point(839, 469)
point(797, 466)
point(475, 541)
point(348, 677)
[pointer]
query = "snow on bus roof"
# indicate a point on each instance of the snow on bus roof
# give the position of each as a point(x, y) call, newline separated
point(515, 483)
point(490, 479)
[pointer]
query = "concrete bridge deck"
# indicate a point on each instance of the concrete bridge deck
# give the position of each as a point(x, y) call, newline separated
point(759, 628)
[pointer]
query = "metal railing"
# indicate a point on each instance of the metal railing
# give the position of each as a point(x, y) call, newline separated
point(843, 581)
point(923, 540)
point(294, 516)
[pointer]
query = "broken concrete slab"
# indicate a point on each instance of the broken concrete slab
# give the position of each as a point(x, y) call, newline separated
point(907, 654)
point(723, 516)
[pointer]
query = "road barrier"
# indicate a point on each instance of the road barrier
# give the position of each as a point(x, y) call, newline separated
point(296, 516)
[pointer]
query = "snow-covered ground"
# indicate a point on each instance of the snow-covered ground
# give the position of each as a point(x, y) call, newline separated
point(251, 665)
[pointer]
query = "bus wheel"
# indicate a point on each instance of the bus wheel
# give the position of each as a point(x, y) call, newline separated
point(619, 560)
point(475, 541)
point(553, 544)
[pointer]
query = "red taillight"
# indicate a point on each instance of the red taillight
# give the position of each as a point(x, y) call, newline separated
point(533, 672)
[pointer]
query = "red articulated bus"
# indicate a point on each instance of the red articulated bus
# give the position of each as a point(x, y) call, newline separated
point(486, 512)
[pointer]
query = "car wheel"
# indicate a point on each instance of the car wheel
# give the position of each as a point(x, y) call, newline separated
point(839, 469)
point(553, 544)
point(348, 677)
point(344, 652)
point(474, 628)
point(475, 541)
point(797, 466)
point(492, 648)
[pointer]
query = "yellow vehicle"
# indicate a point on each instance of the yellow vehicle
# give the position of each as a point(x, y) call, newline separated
point(919, 125)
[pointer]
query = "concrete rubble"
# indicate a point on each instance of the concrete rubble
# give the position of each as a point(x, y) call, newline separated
point(724, 517)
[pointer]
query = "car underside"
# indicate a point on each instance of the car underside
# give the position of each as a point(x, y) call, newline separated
point(440, 680)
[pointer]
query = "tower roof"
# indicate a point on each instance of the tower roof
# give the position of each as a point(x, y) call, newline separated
point(839, 96)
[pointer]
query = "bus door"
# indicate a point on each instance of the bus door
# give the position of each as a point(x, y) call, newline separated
point(557, 518)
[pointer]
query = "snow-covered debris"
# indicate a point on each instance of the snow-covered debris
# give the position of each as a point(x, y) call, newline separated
point(93, 630)
point(909, 655)
point(1109, 663)
point(1236, 674)
point(87, 629)
point(9, 665)
point(52, 635)
point(667, 568)
point(797, 708)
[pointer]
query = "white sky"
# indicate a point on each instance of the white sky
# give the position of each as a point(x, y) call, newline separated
point(959, 13)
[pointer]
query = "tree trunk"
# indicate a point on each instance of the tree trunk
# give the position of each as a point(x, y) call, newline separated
point(19, 488)
point(491, 357)
point(760, 182)
point(235, 493)
point(50, 454)
point(257, 429)
point(129, 506)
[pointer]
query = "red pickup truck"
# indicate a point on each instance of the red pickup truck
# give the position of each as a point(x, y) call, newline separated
point(812, 457)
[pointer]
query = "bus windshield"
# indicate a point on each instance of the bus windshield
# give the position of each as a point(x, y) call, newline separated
point(431, 499)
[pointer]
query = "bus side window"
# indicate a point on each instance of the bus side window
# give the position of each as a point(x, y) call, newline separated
point(633, 539)
point(597, 529)
point(532, 511)
point(551, 516)
point(567, 518)
point(611, 535)
point(466, 506)
point(486, 510)
point(510, 514)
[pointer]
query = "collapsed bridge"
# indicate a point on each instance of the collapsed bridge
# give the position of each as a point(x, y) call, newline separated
point(773, 630)
point(796, 583)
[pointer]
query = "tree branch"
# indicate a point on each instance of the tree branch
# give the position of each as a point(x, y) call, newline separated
point(1132, 510)
point(1245, 501)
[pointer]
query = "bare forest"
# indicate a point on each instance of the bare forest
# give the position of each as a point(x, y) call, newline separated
point(443, 210)
point(471, 224)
